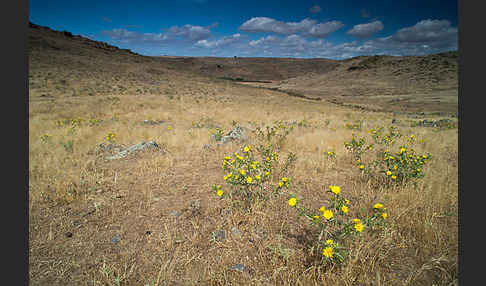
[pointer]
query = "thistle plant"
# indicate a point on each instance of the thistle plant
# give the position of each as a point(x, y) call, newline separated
point(250, 175)
point(394, 167)
point(257, 172)
point(335, 225)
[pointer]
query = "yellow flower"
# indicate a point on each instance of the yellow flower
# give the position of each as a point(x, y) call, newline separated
point(402, 150)
point(378, 206)
point(347, 201)
point(268, 159)
point(395, 167)
point(229, 175)
point(219, 193)
point(344, 209)
point(335, 189)
point(394, 177)
point(280, 184)
point(359, 227)
point(322, 209)
point(248, 180)
point(267, 173)
point(361, 166)
point(356, 220)
point(227, 157)
point(246, 149)
point(292, 202)
point(253, 166)
point(242, 172)
point(384, 215)
point(329, 242)
point(327, 214)
point(284, 179)
point(316, 217)
point(327, 252)
point(388, 173)
point(257, 177)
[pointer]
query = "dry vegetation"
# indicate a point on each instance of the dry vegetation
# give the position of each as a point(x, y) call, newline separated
point(161, 207)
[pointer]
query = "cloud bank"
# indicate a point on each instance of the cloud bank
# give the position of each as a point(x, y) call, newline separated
point(366, 30)
point(306, 27)
point(292, 39)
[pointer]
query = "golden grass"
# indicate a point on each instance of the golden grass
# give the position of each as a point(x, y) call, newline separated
point(134, 197)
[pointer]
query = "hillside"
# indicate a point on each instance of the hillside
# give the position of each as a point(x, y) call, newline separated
point(194, 209)
point(62, 64)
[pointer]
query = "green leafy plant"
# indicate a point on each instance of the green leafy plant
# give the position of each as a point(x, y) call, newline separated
point(334, 225)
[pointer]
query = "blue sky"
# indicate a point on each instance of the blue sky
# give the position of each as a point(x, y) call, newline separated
point(302, 29)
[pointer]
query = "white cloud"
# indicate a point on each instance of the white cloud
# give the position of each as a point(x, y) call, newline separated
point(224, 41)
point(185, 34)
point(307, 40)
point(425, 37)
point(366, 30)
point(194, 33)
point(427, 31)
point(322, 30)
point(307, 27)
point(315, 9)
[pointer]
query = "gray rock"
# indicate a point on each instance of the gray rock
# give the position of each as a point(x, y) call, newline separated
point(135, 148)
point(115, 239)
point(238, 267)
point(152, 122)
point(175, 213)
point(238, 133)
point(235, 232)
point(219, 235)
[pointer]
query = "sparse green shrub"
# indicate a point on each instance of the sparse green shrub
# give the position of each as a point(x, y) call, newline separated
point(217, 134)
point(384, 165)
point(257, 174)
point(335, 226)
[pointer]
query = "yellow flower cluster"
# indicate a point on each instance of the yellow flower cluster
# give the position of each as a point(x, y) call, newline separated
point(404, 164)
point(380, 211)
point(110, 137)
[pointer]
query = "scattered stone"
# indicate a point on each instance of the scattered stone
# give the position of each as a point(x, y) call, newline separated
point(69, 234)
point(135, 148)
point(219, 235)
point(235, 232)
point(238, 133)
point(238, 267)
point(175, 213)
point(110, 148)
point(152, 122)
point(115, 239)
point(148, 232)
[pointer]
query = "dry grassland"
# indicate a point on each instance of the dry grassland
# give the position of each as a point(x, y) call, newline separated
point(161, 206)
